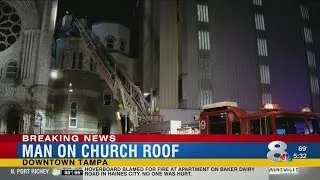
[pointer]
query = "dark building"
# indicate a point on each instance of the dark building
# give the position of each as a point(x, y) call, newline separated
point(248, 51)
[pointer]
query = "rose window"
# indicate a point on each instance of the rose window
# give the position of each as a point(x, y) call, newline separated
point(10, 25)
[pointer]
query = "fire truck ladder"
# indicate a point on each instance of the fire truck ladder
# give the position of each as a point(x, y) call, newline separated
point(122, 88)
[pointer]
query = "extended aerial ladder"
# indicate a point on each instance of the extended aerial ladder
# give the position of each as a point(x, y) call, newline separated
point(123, 89)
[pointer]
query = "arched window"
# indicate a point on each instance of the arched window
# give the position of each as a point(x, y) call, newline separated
point(107, 98)
point(73, 115)
point(80, 60)
point(122, 45)
point(74, 60)
point(110, 42)
point(12, 70)
point(91, 64)
point(123, 68)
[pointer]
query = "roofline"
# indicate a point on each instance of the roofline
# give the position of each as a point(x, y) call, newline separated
point(109, 22)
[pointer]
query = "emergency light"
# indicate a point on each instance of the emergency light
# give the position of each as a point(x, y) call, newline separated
point(306, 110)
point(220, 105)
point(271, 107)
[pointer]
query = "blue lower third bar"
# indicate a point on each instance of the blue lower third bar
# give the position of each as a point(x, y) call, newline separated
point(165, 150)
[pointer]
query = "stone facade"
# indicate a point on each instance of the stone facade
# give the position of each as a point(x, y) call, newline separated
point(60, 94)
point(27, 29)
point(81, 101)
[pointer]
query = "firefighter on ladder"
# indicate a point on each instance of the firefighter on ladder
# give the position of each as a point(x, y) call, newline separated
point(122, 119)
point(156, 115)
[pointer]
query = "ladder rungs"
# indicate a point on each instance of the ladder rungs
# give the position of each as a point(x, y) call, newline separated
point(131, 96)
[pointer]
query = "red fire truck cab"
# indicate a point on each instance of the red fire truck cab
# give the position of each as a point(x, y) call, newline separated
point(227, 118)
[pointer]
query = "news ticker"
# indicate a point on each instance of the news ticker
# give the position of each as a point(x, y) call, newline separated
point(154, 162)
point(156, 172)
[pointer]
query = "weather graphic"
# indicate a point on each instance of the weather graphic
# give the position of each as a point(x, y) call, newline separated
point(56, 172)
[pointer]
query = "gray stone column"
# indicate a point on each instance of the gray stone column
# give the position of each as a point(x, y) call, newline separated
point(29, 54)
point(45, 43)
point(169, 70)
point(147, 46)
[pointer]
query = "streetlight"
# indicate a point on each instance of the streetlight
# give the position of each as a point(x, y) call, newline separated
point(54, 75)
point(70, 88)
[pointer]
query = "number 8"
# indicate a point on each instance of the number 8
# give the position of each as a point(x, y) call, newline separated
point(276, 147)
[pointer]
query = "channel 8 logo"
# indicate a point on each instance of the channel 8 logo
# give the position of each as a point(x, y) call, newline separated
point(278, 152)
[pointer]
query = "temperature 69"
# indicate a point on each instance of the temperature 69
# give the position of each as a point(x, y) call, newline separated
point(302, 148)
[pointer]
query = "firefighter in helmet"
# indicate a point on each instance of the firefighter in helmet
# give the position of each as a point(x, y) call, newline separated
point(156, 115)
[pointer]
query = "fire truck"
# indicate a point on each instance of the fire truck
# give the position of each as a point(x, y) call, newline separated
point(228, 118)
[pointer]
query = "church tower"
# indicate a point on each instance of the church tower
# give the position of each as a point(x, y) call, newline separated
point(26, 36)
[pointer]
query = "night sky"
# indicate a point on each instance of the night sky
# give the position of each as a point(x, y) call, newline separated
point(121, 11)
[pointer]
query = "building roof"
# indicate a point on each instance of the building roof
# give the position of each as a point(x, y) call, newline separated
point(110, 22)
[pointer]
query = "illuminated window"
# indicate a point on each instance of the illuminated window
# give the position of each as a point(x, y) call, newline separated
point(205, 97)
point(314, 82)
point(107, 98)
point(259, 21)
point(74, 60)
point(80, 60)
point(73, 115)
point(311, 59)
point(203, 13)
point(307, 35)
point(304, 13)
point(110, 42)
point(262, 47)
point(257, 2)
point(264, 74)
point(266, 98)
point(12, 70)
point(204, 40)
